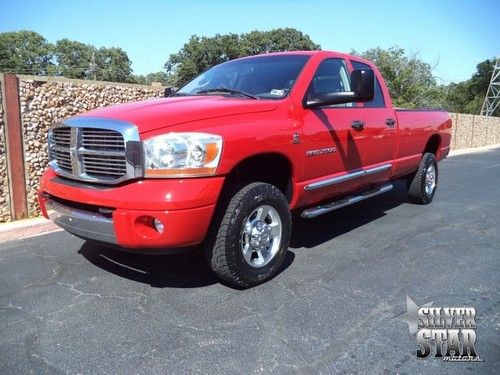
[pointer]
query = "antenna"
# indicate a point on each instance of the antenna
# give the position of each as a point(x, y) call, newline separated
point(93, 66)
point(492, 98)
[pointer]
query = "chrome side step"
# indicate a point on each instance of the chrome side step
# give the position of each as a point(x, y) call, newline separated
point(323, 209)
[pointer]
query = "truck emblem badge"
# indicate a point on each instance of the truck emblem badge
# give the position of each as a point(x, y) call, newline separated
point(296, 138)
point(321, 151)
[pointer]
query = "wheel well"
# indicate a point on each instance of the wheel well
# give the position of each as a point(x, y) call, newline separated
point(432, 145)
point(274, 169)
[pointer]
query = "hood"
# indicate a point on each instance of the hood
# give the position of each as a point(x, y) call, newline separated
point(159, 113)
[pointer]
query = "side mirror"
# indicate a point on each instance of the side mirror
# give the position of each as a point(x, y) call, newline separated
point(362, 84)
point(168, 91)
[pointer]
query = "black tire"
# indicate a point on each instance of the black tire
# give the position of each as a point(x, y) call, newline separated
point(224, 247)
point(418, 185)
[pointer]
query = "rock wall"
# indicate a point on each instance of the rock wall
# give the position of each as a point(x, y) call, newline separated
point(471, 131)
point(4, 176)
point(44, 102)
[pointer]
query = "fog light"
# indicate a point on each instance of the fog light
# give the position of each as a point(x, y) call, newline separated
point(158, 226)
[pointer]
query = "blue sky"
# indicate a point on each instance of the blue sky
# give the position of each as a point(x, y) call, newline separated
point(454, 35)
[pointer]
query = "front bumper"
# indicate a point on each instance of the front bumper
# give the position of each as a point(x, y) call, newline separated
point(123, 215)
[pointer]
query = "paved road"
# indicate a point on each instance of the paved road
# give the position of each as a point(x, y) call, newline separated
point(67, 306)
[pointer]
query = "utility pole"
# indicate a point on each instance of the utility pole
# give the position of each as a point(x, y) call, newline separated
point(492, 98)
point(93, 66)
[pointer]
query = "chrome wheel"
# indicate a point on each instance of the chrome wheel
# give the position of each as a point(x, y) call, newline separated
point(261, 236)
point(430, 179)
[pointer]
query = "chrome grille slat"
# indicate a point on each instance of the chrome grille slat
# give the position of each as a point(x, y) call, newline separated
point(101, 135)
point(104, 163)
point(101, 152)
point(103, 145)
point(93, 149)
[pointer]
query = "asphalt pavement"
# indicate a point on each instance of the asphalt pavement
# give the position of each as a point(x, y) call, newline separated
point(67, 306)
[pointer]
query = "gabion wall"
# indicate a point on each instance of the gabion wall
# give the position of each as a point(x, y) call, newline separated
point(45, 102)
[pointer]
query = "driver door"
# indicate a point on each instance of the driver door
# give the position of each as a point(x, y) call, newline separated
point(334, 145)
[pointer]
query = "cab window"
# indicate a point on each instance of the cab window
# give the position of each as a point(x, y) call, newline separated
point(331, 76)
point(378, 99)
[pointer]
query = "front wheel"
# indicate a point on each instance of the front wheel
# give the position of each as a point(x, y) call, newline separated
point(422, 186)
point(252, 239)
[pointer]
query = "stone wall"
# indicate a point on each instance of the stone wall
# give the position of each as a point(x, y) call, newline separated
point(4, 177)
point(46, 101)
point(471, 131)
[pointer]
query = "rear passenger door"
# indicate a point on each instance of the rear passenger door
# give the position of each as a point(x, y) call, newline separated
point(380, 129)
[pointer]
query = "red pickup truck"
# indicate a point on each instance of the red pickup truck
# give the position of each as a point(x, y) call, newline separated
point(224, 160)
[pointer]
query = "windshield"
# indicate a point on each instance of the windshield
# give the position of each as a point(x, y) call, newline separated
point(269, 77)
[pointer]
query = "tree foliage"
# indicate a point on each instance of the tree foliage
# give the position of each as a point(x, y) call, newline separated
point(148, 79)
point(113, 64)
point(412, 83)
point(201, 53)
point(468, 96)
point(25, 52)
point(73, 58)
point(410, 80)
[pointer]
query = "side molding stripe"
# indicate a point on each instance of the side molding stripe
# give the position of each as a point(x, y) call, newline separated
point(347, 177)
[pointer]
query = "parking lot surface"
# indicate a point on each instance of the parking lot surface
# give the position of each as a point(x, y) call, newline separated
point(67, 306)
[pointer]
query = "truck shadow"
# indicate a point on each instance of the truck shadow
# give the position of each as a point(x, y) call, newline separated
point(183, 270)
point(309, 233)
point(190, 269)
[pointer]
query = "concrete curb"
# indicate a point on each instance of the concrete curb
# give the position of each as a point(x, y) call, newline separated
point(474, 150)
point(34, 227)
point(20, 229)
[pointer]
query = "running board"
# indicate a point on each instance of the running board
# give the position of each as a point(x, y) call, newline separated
point(323, 209)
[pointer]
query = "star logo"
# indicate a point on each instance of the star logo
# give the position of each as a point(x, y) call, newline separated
point(411, 315)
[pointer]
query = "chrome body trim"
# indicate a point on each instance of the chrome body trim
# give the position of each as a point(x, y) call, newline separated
point(81, 223)
point(323, 209)
point(347, 177)
point(132, 153)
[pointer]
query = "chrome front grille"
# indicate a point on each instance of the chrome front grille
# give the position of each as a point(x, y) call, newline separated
point(96, 150)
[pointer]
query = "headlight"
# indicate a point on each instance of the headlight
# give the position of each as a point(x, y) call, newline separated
point(182, 155)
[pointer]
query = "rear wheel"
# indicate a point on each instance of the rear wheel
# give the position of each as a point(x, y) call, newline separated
point(422, 185)
point(249, 245)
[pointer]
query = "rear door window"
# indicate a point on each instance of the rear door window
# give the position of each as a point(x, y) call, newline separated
point(378, 99)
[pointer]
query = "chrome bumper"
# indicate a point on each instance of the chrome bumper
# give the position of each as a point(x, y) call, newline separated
point(81, 223)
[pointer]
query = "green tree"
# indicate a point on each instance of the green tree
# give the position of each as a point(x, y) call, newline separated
point(410, 80)
point(278, 40)
point(73, 58)
point(113, 65)
point(201, 53)
point(161, 77)
point(468, 96)
point(25, 52)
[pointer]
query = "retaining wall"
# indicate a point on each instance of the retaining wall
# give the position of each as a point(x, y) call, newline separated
point(44, 101)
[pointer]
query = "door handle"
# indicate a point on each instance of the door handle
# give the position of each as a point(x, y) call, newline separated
point(358, 125)
point(390, 122)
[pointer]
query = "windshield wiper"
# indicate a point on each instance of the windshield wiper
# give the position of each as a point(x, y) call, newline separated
point(224, 89)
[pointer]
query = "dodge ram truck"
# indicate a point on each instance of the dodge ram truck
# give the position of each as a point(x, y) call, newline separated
point(224, 160)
